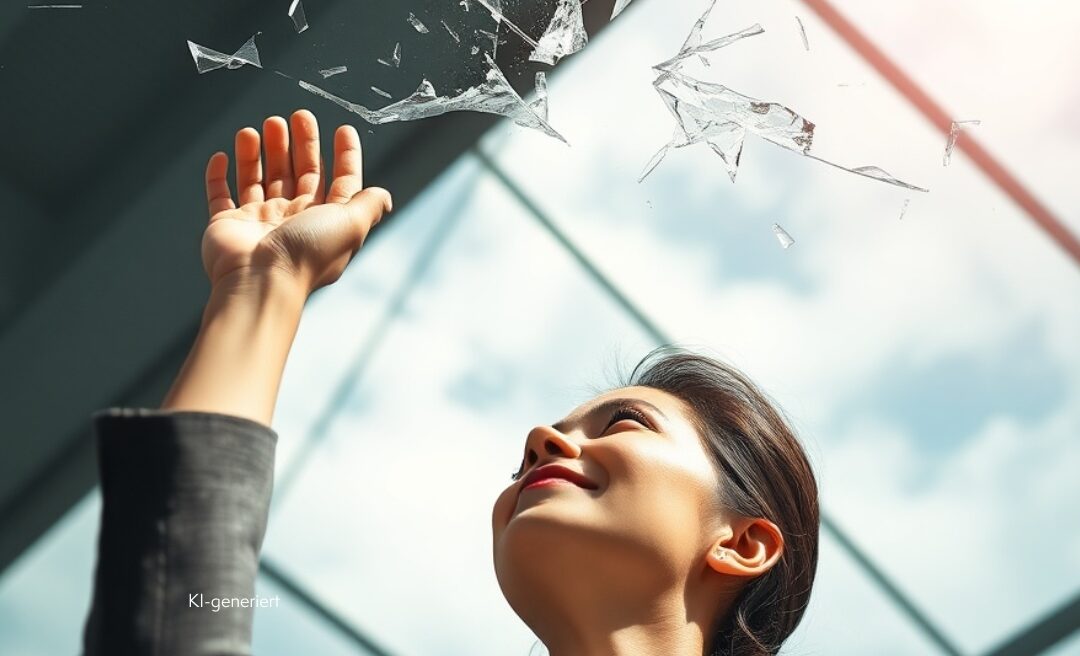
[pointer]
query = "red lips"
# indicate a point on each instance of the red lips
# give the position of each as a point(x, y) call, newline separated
point(557, 471)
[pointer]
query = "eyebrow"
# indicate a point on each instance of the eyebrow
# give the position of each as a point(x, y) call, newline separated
point(605, 407)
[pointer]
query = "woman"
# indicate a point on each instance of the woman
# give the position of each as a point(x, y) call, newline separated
point(674, 515)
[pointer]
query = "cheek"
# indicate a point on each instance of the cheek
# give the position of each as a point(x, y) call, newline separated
point(661, 495)
point(500, 513)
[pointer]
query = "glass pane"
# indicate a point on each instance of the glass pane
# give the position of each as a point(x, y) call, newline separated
point(504, 333)
point(341, 320)
point(841, 594)
point(1068, 647)
point(292, 628)
point(930, 362)
point(45, 594)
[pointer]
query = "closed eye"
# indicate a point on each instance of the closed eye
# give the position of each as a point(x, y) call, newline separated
point(628, 412)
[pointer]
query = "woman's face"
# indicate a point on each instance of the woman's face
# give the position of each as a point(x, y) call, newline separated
point(640, 515)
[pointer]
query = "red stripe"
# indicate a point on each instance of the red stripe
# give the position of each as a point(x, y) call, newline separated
point(1038, 212)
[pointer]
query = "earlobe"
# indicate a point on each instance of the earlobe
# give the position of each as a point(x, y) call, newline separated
point(751, 550)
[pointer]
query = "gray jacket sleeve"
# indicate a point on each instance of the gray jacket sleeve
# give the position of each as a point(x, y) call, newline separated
point(185, 497)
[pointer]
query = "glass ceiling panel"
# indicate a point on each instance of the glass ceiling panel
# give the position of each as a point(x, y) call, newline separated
point(930, 361)
point(291, 628)
point(390, 520)
point(45, 594)
point(1067, 647)
point(342, 322)
point(879, 628)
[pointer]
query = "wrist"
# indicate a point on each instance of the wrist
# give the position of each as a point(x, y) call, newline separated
point(275, 293)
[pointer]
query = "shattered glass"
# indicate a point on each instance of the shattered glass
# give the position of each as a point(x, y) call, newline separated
point(619, 6)
point(872, 172)
point(802, 32)
point(452, 33)
point(296, 13)
point(207, 60)
point(694, 48)
point(705, 110)
point(395, 58)
point(782, 236)
point(711, 113)
point(54, 6)
point(539, 104)
point(654, 161)
point(494, 96)
point(336, 70)
point(564, 36)
point(417, 25)
point(495, 8)
point(382, 93)
point(954, 134)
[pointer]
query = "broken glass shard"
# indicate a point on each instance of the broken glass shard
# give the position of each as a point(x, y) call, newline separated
point(395, 58)
point(727, 141)
point(699, 50)
point(654, 161)
point(705, 110)
point(495, 10)
point(872, 172)
point(381, 92)
point(54, 6)
point(493, 96)
point(540, 102)
point(417, 25)
point(619, 6)
point(954, 134)
point(474, 50)
point(782, 236)
point(207, 59)
point(802, 31)
point(452, 33)
point(493, 37)
point(903, 209)
point(465, 4)
point(336, 70)
point(564, 36)
point(296, 13)
point(693, 40)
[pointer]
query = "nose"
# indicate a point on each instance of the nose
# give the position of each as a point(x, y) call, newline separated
point(546, 441)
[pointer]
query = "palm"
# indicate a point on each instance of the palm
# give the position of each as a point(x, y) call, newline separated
point(286, 222)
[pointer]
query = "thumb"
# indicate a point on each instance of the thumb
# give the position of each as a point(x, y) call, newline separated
point(366, 209)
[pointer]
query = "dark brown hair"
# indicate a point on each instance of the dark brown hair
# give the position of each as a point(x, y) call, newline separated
point(763, 472)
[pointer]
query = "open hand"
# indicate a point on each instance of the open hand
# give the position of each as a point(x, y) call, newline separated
point(283, 222)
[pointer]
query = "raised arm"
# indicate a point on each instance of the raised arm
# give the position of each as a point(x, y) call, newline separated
point(186, 488)
point(266, 256)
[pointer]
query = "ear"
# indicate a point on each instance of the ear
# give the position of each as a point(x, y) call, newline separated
point(753, 546)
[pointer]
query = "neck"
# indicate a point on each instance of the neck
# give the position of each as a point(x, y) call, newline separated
point(605, 627)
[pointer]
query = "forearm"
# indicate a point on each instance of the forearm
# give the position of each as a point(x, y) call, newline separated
point(236, 363)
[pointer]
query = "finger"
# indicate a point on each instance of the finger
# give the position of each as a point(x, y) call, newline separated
point(307, 167)
point(320, 188)
point(248, 167)
point(366, 209)
point(279, 177)
point(218, 195)
point(348, 166)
